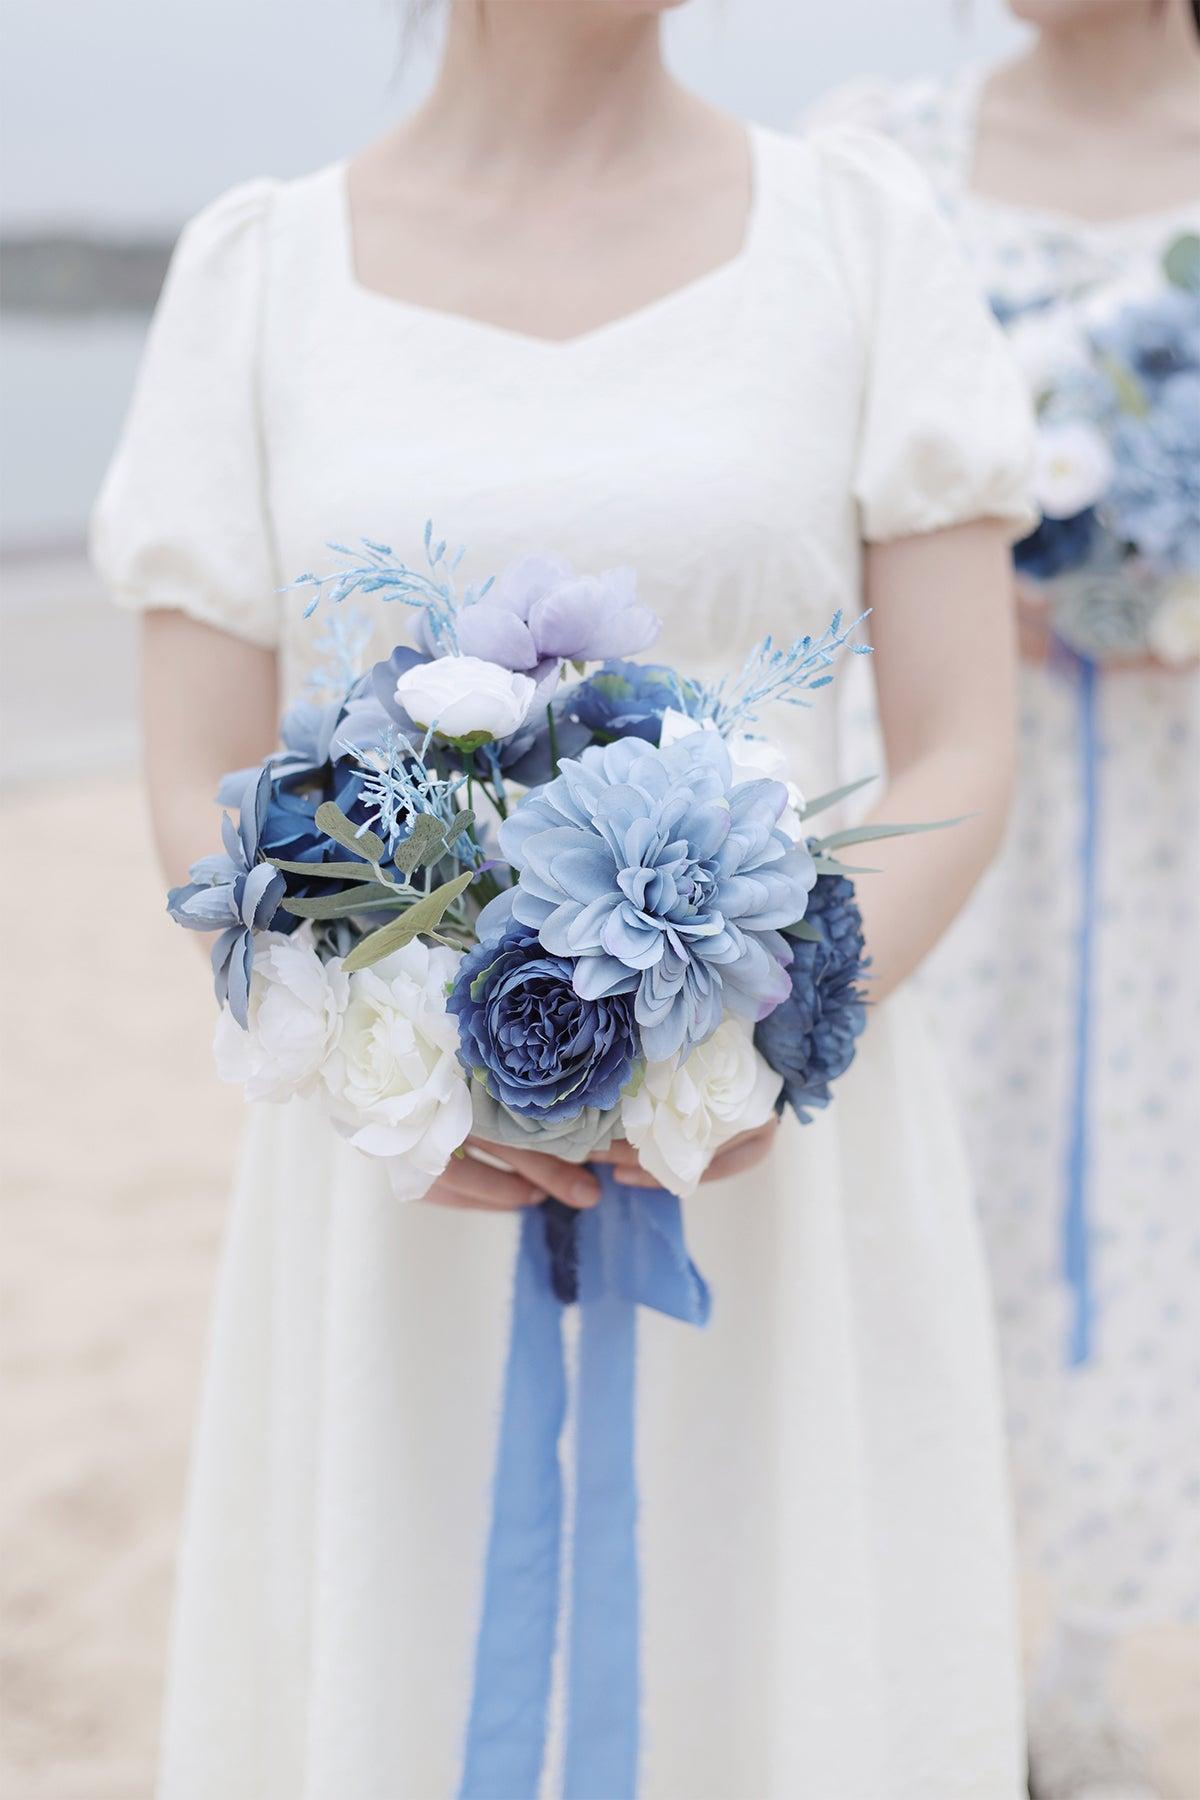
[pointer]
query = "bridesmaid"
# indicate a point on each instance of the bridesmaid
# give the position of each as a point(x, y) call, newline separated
point(1069, 990)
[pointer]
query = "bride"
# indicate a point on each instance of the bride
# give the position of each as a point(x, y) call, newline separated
point(568, 304)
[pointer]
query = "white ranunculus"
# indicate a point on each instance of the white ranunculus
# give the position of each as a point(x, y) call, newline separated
point(293, 1020)
point(395, 1086)
point(462, 695)
point(1073, 469)
point(1174, 631)
point(752, 758)
point(685, 1108)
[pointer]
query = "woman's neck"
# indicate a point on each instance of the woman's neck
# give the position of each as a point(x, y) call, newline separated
point(1119, 59)
point(545, 83)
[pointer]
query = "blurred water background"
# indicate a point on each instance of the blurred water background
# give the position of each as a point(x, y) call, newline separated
point(117, 120)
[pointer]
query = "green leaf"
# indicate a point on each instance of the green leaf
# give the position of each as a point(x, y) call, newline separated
point(802, 929)
point(333, 822)
point(1181, 264)
point(459, 823)
point(1126, 386)
point(824, 801)
point(474, 740)
point(423, 915)
point(828, 865)
point(870, 834)
point(326, 871)
point(424, 844)
point(368, 896)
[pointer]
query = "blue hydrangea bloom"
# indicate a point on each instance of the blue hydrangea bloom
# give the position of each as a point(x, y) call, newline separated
point(810, 1039)
point(235, 894)
point(1154, 500)
point(539, 1047)
point(1057, 545)
point(625, 699)
point(657, 876)
point(1156, 338)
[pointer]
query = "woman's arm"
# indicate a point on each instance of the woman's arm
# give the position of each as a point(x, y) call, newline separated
point(209, 705)
point(945, 667)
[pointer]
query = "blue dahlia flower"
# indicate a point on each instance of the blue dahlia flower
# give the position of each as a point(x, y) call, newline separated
point(658, 877)
point(234, 894)
point(625, 699)
point(1057, 545)
point(540, 1048)
point(810, 1039)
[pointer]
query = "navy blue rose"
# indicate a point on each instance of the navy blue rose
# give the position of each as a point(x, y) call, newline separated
point(537, 1045)
point(625, 699)
point(810, 1038)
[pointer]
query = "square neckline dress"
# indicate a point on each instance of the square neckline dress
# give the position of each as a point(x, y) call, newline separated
point(824, 1525)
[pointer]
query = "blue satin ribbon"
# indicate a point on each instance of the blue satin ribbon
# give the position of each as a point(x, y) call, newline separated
point(1076, 1233)
point(631, 1254)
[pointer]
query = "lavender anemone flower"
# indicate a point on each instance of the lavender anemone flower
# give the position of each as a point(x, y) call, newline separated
point(539, 613)
point(660, 877)
point(233, 894)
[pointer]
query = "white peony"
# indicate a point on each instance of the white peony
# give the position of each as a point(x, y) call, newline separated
point(753, 759)
point(1073, 468)
point(1174, 631)
point(462, 695)
point(294, 1020)
point(396, 1088)
point(684, 1110)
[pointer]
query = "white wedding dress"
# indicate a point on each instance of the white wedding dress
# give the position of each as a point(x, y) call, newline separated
point(824, 1528)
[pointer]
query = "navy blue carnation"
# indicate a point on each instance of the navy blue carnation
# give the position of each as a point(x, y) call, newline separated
point(810, 1038)
point(538, 1046)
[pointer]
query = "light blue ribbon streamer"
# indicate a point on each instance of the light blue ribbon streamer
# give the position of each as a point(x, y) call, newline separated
point(631, 1253)
point(1076, 1232)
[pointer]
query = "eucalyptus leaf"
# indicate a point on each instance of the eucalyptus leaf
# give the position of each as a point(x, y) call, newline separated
point(1181, 264)
point(424, 844)
point(368, 896)
point(824, 801)
point(326, 871)
point(423, 915)
point(1126, 386)
point(458, 824)
point(869, 834)
point(333, 822)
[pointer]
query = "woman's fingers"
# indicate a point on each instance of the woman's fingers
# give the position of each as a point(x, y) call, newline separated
point(566, 1181)
point(477, 1187)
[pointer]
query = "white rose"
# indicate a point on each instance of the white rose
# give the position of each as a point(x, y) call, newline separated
point(1049, 346)
point(685, 1109)
point(1174, 632)
point(396, 1088)
point(752, 759)
point(293, 1020)
point(461, 695)
point(1073, 468)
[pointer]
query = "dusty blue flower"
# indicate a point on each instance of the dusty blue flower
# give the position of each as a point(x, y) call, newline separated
point(1154, 500)
point(234, 894)
point(1155, 339)
point(537, 1046)
point(810, 1039)
point(658, 876)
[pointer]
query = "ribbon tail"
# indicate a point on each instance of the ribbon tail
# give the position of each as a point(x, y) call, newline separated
point(506, 1732)
point(1076, 1235)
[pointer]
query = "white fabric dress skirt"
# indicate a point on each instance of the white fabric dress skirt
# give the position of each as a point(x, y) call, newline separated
point(824, 1530)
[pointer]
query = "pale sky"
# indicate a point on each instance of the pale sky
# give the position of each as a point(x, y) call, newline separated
point(132, 113)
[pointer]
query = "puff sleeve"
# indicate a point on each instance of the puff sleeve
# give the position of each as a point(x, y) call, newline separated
point(181, 519)
point(946, 432)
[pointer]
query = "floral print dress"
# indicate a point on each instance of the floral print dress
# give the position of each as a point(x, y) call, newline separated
point(1069, 997)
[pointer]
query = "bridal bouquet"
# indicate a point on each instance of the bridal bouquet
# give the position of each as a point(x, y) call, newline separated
point(1117, 554)
point(510, 883)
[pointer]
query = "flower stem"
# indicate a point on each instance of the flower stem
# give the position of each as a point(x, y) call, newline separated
point(553, 738)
